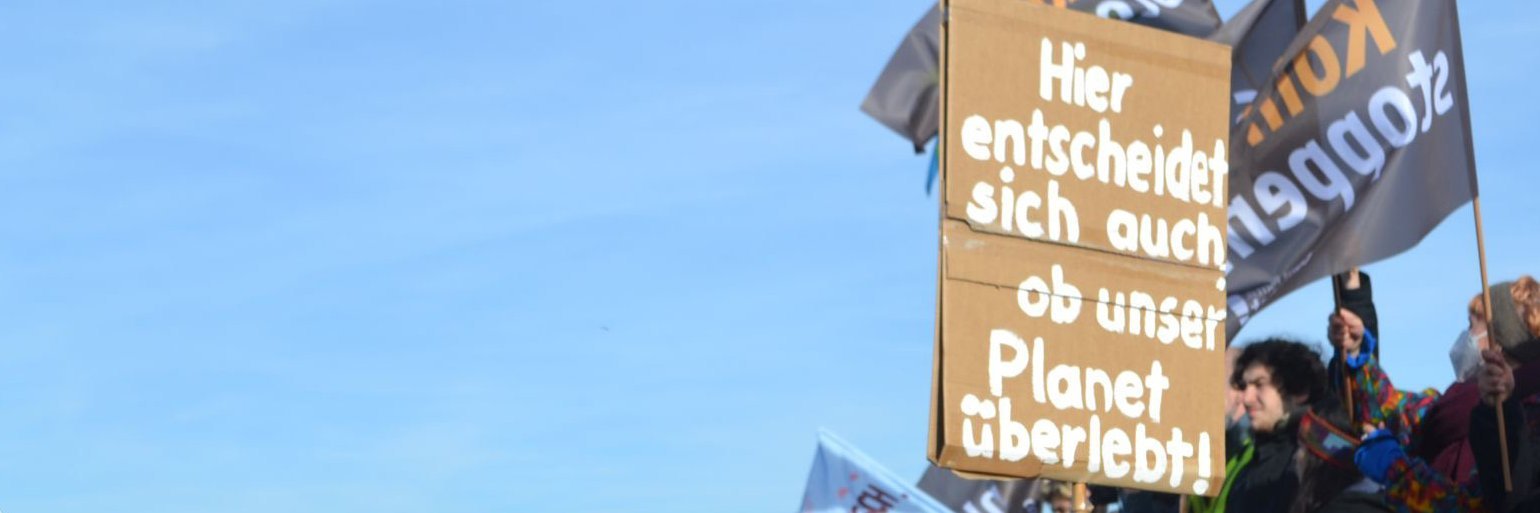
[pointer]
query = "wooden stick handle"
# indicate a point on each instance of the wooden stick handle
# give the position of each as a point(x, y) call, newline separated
point(1082, 499)
point(1342, 368)
point(1486, 302)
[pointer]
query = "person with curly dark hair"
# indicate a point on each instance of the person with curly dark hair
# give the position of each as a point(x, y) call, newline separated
point(1278, 379)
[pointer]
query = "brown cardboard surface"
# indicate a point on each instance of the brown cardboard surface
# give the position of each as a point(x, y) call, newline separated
point(993, 71)
point(998, 288)
point(934, 441)
point(1003, 261)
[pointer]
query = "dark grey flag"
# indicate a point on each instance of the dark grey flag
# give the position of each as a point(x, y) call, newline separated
point(1352, 153)
point(976, 495)
point(905, 95)
point(1258, 35)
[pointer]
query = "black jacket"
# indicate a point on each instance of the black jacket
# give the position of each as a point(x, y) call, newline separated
point(1360, 301)
point(1522, 454)
point(1268, 483)
point(1356, 502)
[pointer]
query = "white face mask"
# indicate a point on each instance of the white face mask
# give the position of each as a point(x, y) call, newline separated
point(1465, 356)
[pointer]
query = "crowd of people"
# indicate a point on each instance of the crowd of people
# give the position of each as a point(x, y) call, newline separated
point(1310, 435)
point(1307, 436)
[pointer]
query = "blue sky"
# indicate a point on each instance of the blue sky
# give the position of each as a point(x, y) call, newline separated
point(339, 255)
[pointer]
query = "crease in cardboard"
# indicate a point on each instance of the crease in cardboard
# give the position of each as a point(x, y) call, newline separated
point(976, 244)
point(1093, 301)
point(984, 229)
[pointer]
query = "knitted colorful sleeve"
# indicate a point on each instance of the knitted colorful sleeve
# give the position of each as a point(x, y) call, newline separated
point(1376, 401)
point(1414, 487)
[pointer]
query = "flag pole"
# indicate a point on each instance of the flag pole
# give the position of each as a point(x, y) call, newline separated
point(1082, 502)
point(1342, 369)
point(1486, 302)
point(1481, 247)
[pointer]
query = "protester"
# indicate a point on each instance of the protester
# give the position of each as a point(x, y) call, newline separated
point(1237, 432)
point(1496, 383)
point(1237, 423)
point(1354, 291)
point(1053, 497)
point(1421, 454)
point(1514, 332)
point(1422, 451)
point(1143, 501)
point(1278, 379)
point(1329, 482)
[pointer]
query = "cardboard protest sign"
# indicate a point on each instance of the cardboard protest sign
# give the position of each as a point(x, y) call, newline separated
point(1080, 330)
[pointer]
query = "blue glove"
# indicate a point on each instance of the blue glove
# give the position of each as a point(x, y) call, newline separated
point(1376, 454)
point(1364, 352)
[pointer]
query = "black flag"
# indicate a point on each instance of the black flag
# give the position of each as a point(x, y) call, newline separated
point(904, 97)
point(1258, 35)
point(976, 495)
point(1352, 153)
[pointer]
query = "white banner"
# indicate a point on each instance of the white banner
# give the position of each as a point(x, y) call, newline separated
point(845, 481)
